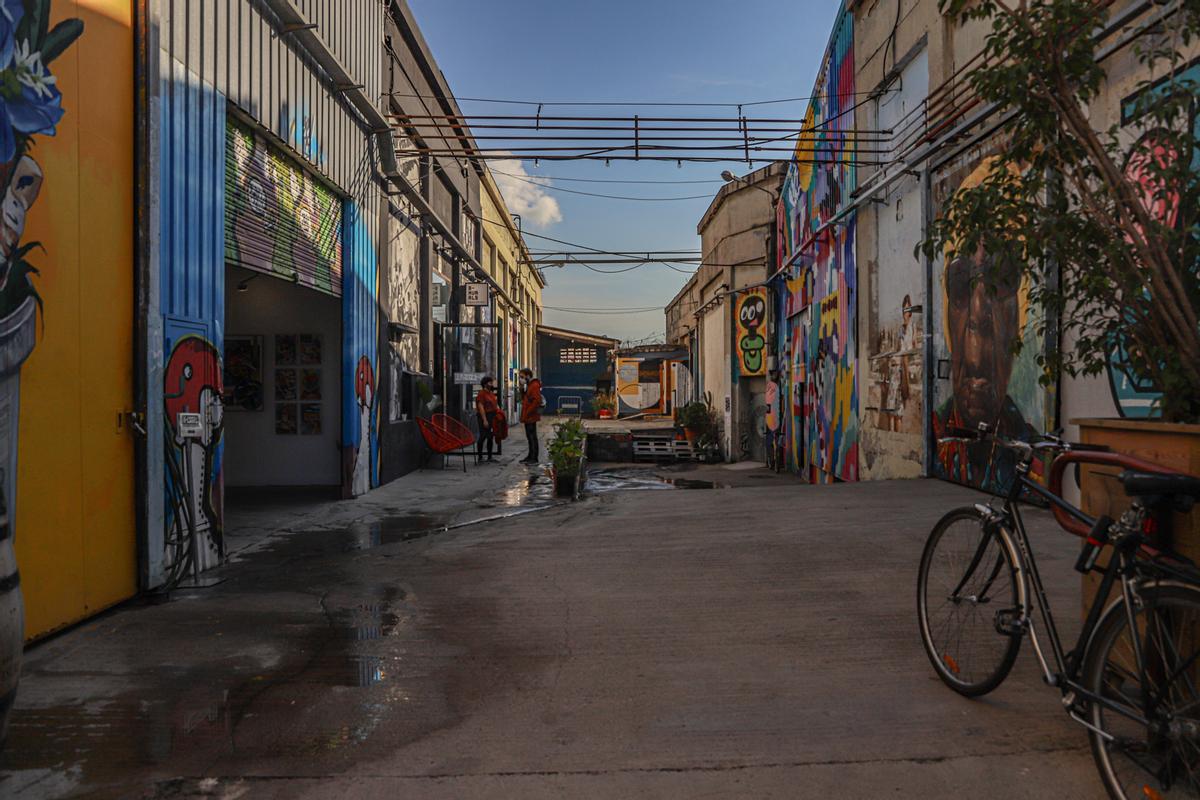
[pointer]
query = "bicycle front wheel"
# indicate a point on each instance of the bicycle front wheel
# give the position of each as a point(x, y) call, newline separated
point(968, 603)
point(1160, 759)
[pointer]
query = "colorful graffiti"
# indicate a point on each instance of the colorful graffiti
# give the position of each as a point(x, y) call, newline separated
point(192, 387)
point(360, 346)
point(364, 397)
point(817, 259)
point(751, 319)
point(279, 218)
point(984, 311)
point(1134, 395)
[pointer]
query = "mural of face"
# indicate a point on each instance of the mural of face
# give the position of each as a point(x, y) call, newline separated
point(23, 189)
point(982, 327)
point(752, 311)
point(364, 392)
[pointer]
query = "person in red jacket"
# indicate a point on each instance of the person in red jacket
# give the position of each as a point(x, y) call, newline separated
point(486, 408)
point(531, 412)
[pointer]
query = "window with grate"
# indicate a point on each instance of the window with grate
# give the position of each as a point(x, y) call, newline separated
point(577, 355)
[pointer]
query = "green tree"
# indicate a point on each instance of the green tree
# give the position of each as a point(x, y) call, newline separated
point(1106, 237)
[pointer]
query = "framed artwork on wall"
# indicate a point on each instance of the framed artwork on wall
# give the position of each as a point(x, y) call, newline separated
point(310, 419)
point(286, 422)
point(242, 373)
point(285, 349)
point(310, 349)
point(285, 384)
point(310, 384)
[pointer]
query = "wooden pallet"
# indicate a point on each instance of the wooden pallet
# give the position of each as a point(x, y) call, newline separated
point(662, 449)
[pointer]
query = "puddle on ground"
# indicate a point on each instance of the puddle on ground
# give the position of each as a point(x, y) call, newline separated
point(534, 490)
point(331, 688)
point(620, 479)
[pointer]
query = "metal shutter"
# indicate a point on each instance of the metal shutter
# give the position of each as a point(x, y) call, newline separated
point(279, 220)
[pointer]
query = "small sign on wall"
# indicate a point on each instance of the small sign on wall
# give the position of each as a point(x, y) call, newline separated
point(476, 294)
point(468, 378)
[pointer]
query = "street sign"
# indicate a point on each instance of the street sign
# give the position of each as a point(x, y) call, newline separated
point(189, 425)
point(477, 294)
point(468, 378)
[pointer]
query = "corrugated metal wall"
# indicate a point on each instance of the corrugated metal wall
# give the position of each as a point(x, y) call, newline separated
point(215, 56)
point(233, 48)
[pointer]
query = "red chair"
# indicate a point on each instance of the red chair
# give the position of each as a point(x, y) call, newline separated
point(445, 435)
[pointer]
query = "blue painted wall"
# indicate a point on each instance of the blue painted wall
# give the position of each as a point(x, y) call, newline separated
point(360, 346)
point(560, 379)
point(191, 304)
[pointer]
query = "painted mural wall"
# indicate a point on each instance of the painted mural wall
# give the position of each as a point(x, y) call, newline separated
point(979, 378)
point(817, 245)
point(361, 323)
point(280, 220)
point(66, 304)
point(750, 333)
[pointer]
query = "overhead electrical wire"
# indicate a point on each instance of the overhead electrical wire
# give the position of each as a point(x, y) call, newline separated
point(630, 104)
point(610, 196)
point(647, 310)
point(599, 180)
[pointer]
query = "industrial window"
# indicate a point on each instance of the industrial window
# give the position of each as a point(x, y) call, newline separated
point(577, 355)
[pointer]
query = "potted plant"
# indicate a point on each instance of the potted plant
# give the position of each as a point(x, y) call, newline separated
point(605, 405)
point(566, 456)
point(1100, 228)
point(698, 419)
point(695, 420)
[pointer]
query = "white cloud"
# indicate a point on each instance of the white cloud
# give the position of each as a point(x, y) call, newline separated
point(524, 193)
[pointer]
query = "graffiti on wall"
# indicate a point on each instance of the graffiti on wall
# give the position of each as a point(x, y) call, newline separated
point(278, 218)
point(360, 345)
point(1134, 395)
point(404, 288)
point(818, 261)
point(830, 351)
point(33, 108)
point(985, 309)
point(192, 392)
point(894, 390)
point(751, 320)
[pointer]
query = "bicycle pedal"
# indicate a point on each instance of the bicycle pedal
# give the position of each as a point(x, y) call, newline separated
point(1008, 622)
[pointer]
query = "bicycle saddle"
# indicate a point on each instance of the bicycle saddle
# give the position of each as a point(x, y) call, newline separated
point(1142, 484)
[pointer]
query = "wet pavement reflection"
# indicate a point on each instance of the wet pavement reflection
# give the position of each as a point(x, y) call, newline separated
point(615, 479)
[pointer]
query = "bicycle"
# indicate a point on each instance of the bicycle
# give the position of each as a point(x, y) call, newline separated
point(1131, 679)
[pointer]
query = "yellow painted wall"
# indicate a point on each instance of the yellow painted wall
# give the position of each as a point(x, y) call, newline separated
point(75, 532)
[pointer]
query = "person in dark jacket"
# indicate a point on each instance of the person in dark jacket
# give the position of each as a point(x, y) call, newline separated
point(531, 412)
point(486, 407)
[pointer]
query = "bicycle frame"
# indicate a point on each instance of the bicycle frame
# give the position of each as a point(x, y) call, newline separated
point(1008, 525)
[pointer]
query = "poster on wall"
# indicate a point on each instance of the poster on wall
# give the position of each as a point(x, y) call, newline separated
point(243, 373)
point(310, 419)
point(285, 348)
point(751, 327)
point(286, 422)
point(310, 384)
point(310, 349)
point(285, 385)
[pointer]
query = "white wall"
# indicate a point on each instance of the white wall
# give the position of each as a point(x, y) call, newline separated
point(254, 454)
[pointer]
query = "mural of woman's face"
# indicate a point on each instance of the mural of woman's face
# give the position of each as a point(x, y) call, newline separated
point(22, 193)
point(982, 327)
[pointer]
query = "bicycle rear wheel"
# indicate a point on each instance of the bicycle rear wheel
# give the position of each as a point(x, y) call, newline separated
point(966, 594)
point(1161, 760)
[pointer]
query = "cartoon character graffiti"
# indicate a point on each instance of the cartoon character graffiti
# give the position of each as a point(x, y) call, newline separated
point(192, 385)
point(364, 393)
point(752, 344)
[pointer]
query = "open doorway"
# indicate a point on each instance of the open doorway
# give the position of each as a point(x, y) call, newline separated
point(282, 386)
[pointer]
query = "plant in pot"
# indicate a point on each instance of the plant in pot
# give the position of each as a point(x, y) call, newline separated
point(605, 405)
point(696, 420)
point(566, 456)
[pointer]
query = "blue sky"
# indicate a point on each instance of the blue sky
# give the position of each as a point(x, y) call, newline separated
point(620, 51)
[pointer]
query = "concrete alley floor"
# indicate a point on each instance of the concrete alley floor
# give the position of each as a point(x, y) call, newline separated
point(758, 639)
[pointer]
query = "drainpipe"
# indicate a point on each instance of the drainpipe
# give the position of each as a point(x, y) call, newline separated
point(929, 373)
